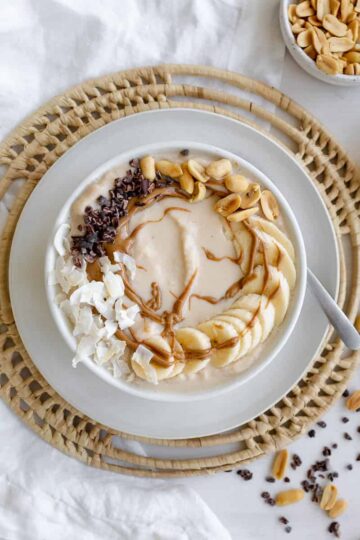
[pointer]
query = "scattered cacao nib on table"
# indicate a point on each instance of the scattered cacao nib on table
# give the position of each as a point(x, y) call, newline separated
point(334, 528)
point(101, 222)
point(270, 479)
point(245, 474)
point(295, 462)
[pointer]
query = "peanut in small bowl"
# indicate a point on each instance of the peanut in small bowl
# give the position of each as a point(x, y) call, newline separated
point(330, 53)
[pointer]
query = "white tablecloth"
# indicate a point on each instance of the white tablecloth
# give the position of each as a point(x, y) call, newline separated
point(44, 48)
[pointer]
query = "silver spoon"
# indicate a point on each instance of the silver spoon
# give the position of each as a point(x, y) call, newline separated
point(343, 326)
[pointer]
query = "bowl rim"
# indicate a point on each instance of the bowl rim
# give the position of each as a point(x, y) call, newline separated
point(297, 52)
point(297, 297)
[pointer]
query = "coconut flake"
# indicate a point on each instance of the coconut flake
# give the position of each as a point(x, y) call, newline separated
point(59, 238)
point(143, 356)
point(106, 266)
point(125, 317)
point(103, 353)
point(86, 346)
point(83, 321)
point(120, 368)
point(88, 293)
point(71, 311)
point(128, 261)
point(110, 328)
point(68, 276)
point(114, 285)
point(105, 307)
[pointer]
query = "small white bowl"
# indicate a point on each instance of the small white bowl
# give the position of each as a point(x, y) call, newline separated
point(302, 59)
point(274, 344)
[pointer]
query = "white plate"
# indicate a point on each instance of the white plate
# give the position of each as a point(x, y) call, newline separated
point(82, 388)
point(272, 345)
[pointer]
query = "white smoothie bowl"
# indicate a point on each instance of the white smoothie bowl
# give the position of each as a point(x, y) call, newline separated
point(272, 345)
point(302, 59)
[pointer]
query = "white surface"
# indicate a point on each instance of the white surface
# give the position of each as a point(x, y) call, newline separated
point(81, 387)
point(25, 66)
point(136, 125)
point(303, 59)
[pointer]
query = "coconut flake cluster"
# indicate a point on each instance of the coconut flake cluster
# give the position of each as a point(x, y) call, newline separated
point(95, 333)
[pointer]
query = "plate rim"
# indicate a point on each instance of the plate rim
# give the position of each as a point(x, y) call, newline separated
point(258, 132)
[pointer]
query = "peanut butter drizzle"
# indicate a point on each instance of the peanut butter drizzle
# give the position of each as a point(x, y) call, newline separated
point(211, 257)
point(155, 300)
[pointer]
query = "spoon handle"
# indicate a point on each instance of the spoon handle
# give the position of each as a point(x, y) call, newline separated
point(343, 326)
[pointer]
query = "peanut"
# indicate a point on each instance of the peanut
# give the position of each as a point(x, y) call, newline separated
point(228, 205)
point(186, 181)
point(353, 401)
point(334, 26)
point(329, 496)
point(199, 192)
point(251, 196)
point(168, 168)
point(339, 508)
point(289, 497)
point(269, 205)
point(147, 166)
point(197, 170)
point(236, 183)
point(219, 168)
point(279, 464)
point(242, 214)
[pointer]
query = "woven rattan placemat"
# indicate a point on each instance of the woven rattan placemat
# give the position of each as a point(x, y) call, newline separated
point(38, 142)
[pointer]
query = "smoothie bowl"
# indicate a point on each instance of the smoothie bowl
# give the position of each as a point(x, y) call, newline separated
point(176, 272)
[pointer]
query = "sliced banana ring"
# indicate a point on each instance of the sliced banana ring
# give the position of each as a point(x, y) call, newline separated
point(220, 333)
point(153, 372)
point(192, 340)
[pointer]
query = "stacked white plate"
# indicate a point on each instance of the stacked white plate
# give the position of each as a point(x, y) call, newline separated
point(82, 387)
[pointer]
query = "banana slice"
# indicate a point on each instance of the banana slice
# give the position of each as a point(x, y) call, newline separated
point(272, 230)
point(219, 332)
point(277, 256)
point(280, 300)
point(274, 286)
point(262, 282)
point(155, 371)
point(266, 317)
point(249, 302)
point(262, 312)
point(241, 328)
point(245, 241)
point(192, 339)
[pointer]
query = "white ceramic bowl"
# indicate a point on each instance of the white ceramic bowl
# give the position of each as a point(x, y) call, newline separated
point(302, 59)
point(271, 346)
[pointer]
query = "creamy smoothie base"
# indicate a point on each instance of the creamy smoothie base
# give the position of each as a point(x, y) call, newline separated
point(177, 269)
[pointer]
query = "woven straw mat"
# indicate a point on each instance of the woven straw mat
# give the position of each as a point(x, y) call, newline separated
point(37, 143)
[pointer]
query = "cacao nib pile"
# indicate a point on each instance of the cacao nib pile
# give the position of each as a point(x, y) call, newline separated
point(101, 222)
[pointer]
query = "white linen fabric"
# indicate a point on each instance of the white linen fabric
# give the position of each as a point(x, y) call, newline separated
point(45, 47)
